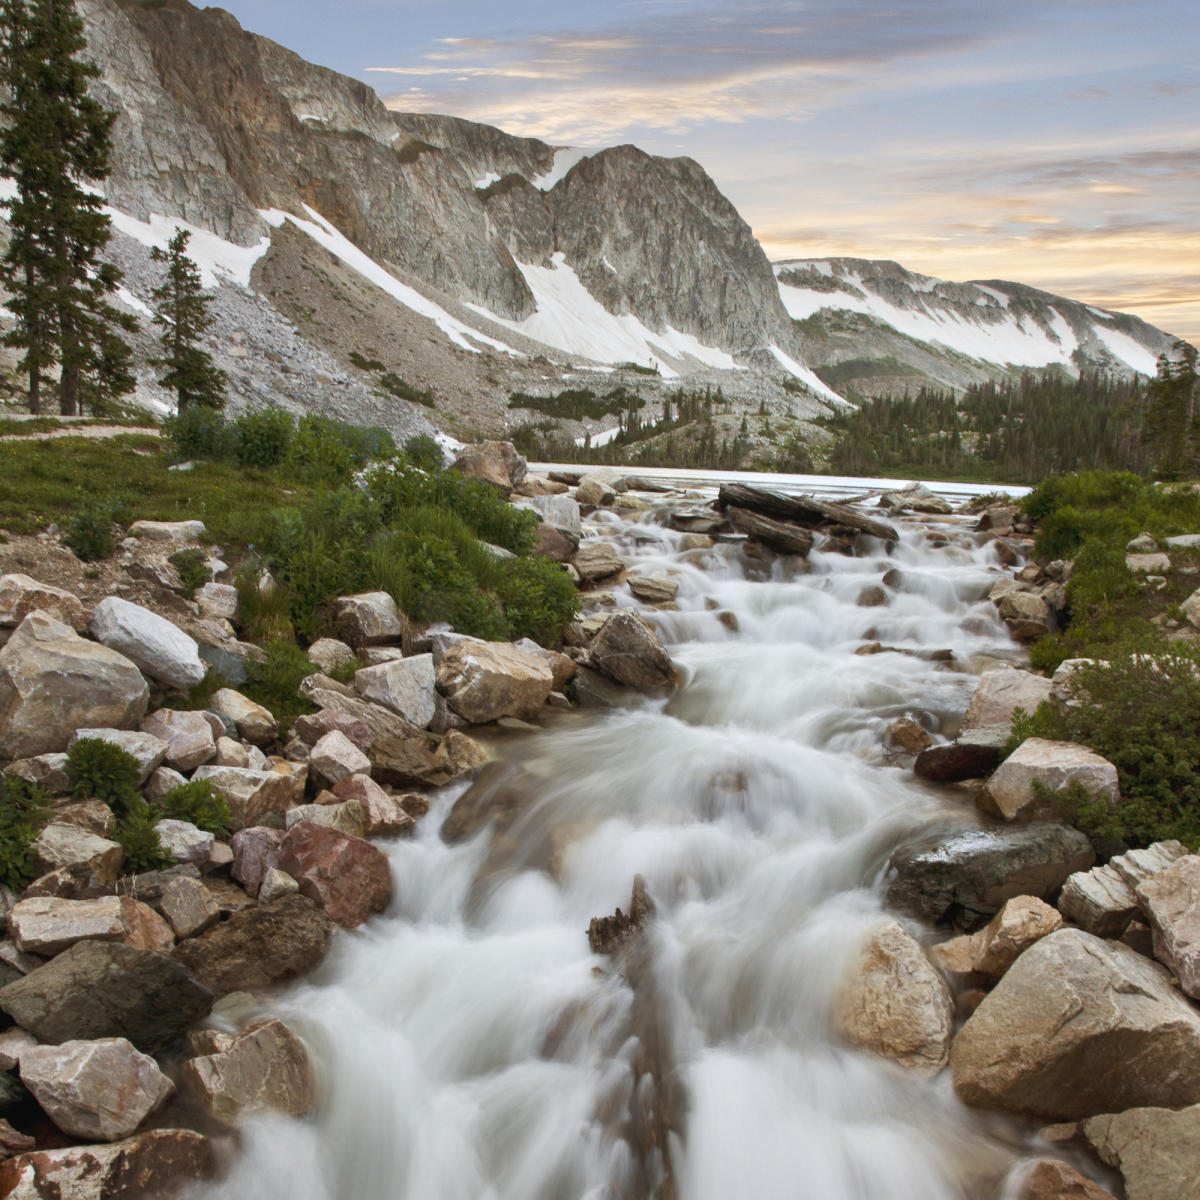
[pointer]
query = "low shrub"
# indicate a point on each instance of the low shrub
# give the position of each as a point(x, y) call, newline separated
point(275, 682)
point(423, 451)
point(101, 769)
point(264, 607)
point(136, 834)
point(329, 451)
point(195, 801)
point(23, 807)
point(199, 432)
point(262, 438)
point(190, 564)
point(90, 531)
point(1142, 713)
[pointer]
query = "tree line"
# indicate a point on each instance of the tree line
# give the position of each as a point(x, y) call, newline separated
point(55, 148)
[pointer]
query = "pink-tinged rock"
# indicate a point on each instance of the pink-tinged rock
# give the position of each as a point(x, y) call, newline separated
point(188, 735)
point(20, 595)
point(263, 1069)
point(148, 1165)
point(335, 757)
point(347, 876)
point(100, 1089)
point(144, 928)
point(12, 1141)
point(13, 1043)
point(255, 850)
point(53, 682)
point(312, 727)
point(404, 685)
point(383, 814)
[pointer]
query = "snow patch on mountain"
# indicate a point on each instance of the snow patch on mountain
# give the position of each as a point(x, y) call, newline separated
point(808, 377)
point(565, 157)
point(219, 261)
point(570, 318)
point(324, 234)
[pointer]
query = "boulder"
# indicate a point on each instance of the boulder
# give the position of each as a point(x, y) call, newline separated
point(265, 1068)
point(1136, 866)
point(917, 498)
point(188, 737)
point(775, 535)
point(1079, 1027)
point(330, 655)
point(383, 815)
point(1040, 765)
point(254, 723)
point(627, 650)
point(312, 727)
point(347, 876)
point(1156, 1150)
point(107, 989)
point(160, 649)
point(483, 681)
point(1171, 901)
point(256, 947)
point(148, 750)
point(895, 1002)
point(47, 771)
point(217, 601)
point(251, 795)
point(594, 490)
point(20, 595)
point(346, 817)
point(1191, 609)
point(1156, 563)
point(562, 667)
point(405, 685)
point(52, 682)
point(999, 693)
point(152, 1164)
point(907, 736)
point(1023, 606)
point(1099, 901)
point(189, 907)
point(368, 619)
point(1053, 1179)
point(144, 928)
point(956, 761)
point(652, 589)
point(175, 533)
point(183, 841)
point(596, 559)
point(335, 757)
point(46, 925)
point(92, 815)
point(970, 874)
point(1021, 922)
point(62, 845)
point(255, 851)
point(231, 753)
point(276, 883)
point(101, 1089)
point(497, 463)
point(560, 513)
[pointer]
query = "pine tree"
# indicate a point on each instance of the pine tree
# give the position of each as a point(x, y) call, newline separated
point(55, 138)
point(182, 314)
point(1172, 423)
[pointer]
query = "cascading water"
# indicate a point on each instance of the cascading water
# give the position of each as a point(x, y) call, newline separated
point(471, 1047)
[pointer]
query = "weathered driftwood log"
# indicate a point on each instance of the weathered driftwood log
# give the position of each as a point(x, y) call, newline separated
point(803, 510)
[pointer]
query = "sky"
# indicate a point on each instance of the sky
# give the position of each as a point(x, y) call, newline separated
point(1051, 142)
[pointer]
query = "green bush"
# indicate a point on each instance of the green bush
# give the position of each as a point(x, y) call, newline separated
point(136, 835)
point(423, 451)
point(262, 438)
point(329, 451)
point(263, 613)
point(1142, 713)
point(101, 769)
point(195, 801)
point(190, 564)
point(90, 531)
point(199, 432)
point(275, 682)
point(23, 807)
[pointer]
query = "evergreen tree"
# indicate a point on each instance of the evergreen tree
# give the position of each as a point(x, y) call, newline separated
point(182, 314)
point(55, 138)
point(1172, 425)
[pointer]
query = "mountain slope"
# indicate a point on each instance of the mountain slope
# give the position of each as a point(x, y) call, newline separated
point(874, 328)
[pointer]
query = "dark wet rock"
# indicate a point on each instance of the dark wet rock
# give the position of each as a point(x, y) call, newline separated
point(606, 935)
point(956, 761)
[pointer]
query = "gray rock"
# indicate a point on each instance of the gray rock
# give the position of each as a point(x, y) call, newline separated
point(188, 737)
point(627, 650)
point(189, 906)
point(159, 648)
point(1148, 562)
point(999, 694)
point(330, 655)
point(48, 771)
point(335, 757)
point(597, 559)
point(176, 533)
point(1171, 901)
point(106, 989)
point(1012, 792)
point(253, 722)
point(368, 619)
point(558, 512)
point(276, 884)
point(1099, 901)
point(346, 817)
point(52, 682)
point(217, 601)
point(406, 686)
point(251, 795)
point(970, 874)
point(1079, 1027)
point(101, 1089)
point(183, 841)
point(60, 845)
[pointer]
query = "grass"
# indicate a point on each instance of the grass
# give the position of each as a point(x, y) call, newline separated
point(42, 482)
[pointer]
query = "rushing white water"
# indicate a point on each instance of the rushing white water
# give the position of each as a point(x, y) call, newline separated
point(469, 1045)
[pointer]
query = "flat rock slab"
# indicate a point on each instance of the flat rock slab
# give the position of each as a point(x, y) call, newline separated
point(405, 685)
point(150, 1164)
point(1079, 1027)
point(1171, 901)
point(971, 873)
point(106, 989)
point(1156, 1150)
point(47, 925)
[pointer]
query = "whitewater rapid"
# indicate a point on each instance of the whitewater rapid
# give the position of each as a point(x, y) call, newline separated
point(469, 1046)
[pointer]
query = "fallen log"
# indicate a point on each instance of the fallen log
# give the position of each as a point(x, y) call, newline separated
point(802, 510)
point(776, 535)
